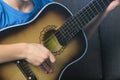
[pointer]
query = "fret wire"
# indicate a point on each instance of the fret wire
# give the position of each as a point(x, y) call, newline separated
point(79, 21)
point(88, 13)
point(81, 18)
point(93, 14)
point(99, 5)
point(64, 28)
point(73, 20)
point(104, 3)
point(93, 5)
point(73, 29)
point(84, 16)
point(66, 31)
point(69, 25)
point(95, 9)
point(75, 24)
point(69, 30)
point(61, 33)
point(62, 36)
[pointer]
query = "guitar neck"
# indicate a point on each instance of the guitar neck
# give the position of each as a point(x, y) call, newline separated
point(74, 24)
point(90, 11)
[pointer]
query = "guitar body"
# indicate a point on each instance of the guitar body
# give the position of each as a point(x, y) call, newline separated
point(41, 30)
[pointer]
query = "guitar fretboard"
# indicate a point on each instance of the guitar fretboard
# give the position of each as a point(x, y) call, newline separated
point(74, 24)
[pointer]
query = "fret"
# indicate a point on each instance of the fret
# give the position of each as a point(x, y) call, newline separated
point(84, 15)
point(101, 3)
point(74, 28)
point(67, 30)
point(71, 24)
point(81, 18)
point(62, 33)
point(94, 8)
point(88, 13)
point(95, 3)
point(79, 22)
point(99, 6)
point(71, 28)
point(104, 4)
point(92, 13)
point(76, 24)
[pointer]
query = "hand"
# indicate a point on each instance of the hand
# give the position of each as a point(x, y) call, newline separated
point(113, 5)
point(38, 55)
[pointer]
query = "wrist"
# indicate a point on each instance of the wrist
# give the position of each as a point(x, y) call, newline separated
point(19, 50)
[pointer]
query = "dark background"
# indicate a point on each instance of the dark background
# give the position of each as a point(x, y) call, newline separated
point(102, 61)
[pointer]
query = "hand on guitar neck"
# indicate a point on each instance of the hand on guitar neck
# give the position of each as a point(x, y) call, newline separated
point(90, 29)
point(112, 6)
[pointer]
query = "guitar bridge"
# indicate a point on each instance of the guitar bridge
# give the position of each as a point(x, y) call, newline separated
point(24, 67)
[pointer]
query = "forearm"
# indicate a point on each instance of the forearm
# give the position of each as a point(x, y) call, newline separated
point(10, 52)
point(94, 24)
point(91, 28)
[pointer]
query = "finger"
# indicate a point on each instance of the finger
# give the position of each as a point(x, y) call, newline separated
point(49, 66)
point(46, 66)
point(52, 58)
point(42, 67)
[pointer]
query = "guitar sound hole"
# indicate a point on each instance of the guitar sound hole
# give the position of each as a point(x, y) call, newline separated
point(50, 41)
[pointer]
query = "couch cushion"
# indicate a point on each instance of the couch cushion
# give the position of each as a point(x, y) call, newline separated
point(110, 44)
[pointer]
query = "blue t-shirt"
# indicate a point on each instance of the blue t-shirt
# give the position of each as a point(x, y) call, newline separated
point(10, 16)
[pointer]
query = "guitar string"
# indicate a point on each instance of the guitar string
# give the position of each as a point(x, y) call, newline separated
point(81, 16)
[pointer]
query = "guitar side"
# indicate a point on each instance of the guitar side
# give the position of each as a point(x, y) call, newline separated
point(40, 30)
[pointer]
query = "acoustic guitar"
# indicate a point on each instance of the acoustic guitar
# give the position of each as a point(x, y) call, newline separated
point(56, 28)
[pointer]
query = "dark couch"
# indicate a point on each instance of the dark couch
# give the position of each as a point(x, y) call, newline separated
point(102, 61)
